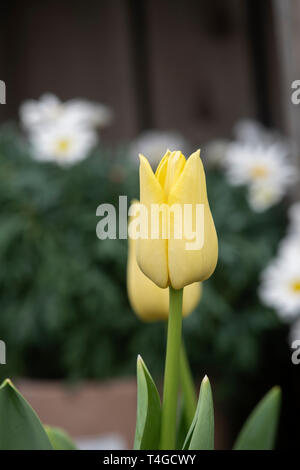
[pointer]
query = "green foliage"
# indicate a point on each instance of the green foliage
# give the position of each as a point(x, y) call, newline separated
point(59, 439)
point(20, 427)
point(64, 308)
point(259, 431)
point(226, 332)
point(201, 432)
point(147, 433)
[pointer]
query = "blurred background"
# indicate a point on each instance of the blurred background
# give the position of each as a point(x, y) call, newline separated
point(144, 76)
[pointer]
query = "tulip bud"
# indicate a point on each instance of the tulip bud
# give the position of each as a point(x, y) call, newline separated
point(171, 260)
point(150, 302)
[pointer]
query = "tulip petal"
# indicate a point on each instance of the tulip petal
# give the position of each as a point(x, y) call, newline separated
point(191, 297)
point(150, 302)
point(169, 170)
point(151, 252)
point(190, 265)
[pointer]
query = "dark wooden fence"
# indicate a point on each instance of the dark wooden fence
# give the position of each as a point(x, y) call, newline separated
point(195, 65)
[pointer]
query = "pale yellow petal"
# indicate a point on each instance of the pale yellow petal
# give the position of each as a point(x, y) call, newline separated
point(169, 170)
point(161, 169)
point(152, 253)
point(187, 266)
point(191, 297)
point(150, 303)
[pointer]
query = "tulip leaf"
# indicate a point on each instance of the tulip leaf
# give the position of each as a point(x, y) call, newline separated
point(59, 439)
point(188, 402)
point(147, 432)
point(20, 427)
point(259, 430)
point(183, 426)
point(201, 432)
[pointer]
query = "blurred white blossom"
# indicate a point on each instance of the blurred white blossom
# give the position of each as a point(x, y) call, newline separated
point(63, 143)
point(261, 196)
point(85, 113)
point(62, 132)
point(214, 152)
point(154, 143)
point(253, 132)
point(280, 287)
point(253, 164)
point(42, 112)
point(49, 110)
point(259, 159)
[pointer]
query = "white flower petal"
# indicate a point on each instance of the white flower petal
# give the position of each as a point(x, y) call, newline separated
point(62, 144)
point(260, 160)
point(280, 286)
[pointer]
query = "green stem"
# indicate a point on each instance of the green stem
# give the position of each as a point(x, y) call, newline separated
point(187, 387)
point(171, 379)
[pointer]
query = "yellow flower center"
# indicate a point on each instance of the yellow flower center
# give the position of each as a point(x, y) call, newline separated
point(295, 286)
point(169, 170)
point(63, 145)
point(259, 172)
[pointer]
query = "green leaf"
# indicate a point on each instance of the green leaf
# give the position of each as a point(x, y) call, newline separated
point(20, 427)
point(147, 431)
point(183, 425)
point(201, 432)
point(259, 430)
point(59, 439)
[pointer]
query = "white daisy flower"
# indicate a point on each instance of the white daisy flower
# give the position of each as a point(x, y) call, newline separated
point(259, 159)
point(154, 143)
point(252, 132)
point(247, 164)
point(289, 244)
point(44, 111)
point(82, 112)
point(63, 144)
point(261, 196)
point(280, 286)
point(264, 168)
point(49, 110)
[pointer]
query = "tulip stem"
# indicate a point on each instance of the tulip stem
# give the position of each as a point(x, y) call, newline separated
point(187, 387)
point(171, 378)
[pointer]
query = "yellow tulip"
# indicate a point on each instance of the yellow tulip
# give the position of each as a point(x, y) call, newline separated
point(166, 260)
point(150, 302)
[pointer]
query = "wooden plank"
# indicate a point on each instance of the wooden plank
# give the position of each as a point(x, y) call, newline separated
point(73, 49)
point(200, 68)
point(287, 18)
